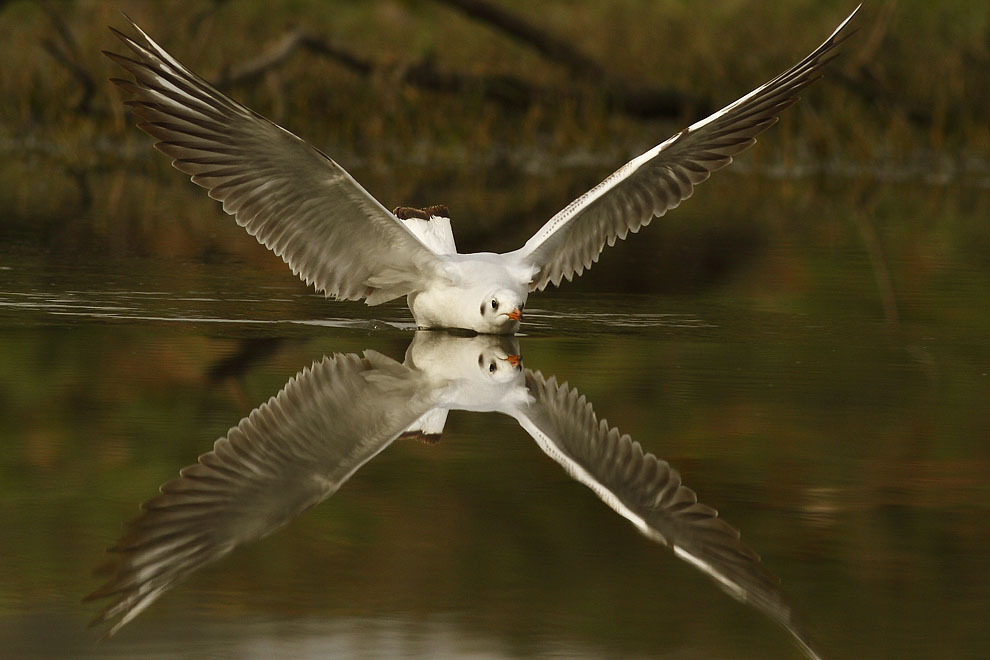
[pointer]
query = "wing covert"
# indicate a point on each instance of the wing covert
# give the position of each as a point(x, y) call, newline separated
point(660, 179)
point(286, 456)
point(649, 493)
point(291, 197)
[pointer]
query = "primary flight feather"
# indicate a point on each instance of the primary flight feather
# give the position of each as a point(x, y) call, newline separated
point(333, 234)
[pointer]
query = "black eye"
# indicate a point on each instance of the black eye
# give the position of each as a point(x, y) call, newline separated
point(494, 304)
point(480, 359)
point(491, 369)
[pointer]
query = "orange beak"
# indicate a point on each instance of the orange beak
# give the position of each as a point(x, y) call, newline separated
point(515, 315)
point(514, 360)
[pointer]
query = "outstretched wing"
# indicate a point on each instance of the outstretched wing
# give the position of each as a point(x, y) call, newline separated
point(649, 493)
point(290, 196)
point(660, 179)
point(286, 456)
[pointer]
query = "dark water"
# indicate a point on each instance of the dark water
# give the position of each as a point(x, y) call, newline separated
point(825, 386)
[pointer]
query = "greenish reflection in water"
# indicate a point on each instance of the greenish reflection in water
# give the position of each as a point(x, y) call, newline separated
point(828, 397)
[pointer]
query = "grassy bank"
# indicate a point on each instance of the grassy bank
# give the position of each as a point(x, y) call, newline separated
point(915, 76)
point(907, 101)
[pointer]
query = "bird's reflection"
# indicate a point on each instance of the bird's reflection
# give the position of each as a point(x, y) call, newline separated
point(331, 418)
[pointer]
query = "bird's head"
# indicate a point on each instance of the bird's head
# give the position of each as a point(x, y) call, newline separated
point(502, 310)
point(498, 366)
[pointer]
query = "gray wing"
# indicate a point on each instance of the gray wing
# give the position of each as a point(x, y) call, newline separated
point(649, 493)
point(663, 177)
point(291, 197)
point(286, 456)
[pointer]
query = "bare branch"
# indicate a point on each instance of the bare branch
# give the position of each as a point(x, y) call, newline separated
point(67, 53)
point(634, 101)
point(509, 90)
point(518, 29)
point(291, 41)
point(251, 70)
point(346, 59)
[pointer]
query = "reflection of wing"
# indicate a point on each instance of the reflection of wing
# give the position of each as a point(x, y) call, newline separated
point(649, 493)
point(660, 179)
point(293, 198)
point(286, 456)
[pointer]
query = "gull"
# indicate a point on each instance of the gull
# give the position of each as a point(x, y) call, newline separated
point(330, 419)
point(298, 202)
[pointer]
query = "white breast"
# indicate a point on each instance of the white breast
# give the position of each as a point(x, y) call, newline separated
point(456, 303)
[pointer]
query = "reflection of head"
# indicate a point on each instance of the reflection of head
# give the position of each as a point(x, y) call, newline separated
point(481, 359)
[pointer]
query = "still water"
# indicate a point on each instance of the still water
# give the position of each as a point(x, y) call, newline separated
point(829, 396)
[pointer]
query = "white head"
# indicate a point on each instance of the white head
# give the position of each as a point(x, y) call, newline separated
point(480, 372)
point(502, 311)
point(498, 363)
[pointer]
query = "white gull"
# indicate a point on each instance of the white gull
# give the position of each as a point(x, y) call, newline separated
point(307, 209)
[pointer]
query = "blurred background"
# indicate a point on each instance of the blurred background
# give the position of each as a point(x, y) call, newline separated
point(433, 101)
point(805, 339)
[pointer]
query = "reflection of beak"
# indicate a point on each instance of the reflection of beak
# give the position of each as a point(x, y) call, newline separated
point(514, 360)
point(515, 315)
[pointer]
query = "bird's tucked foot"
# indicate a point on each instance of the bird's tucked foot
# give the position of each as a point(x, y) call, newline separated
point(406, 212)
point(428, 438)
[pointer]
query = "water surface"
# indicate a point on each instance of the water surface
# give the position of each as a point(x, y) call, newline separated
point(822, 379)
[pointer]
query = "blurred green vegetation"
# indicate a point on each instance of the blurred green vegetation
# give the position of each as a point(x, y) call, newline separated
point(909, 92)
point(908, 101)
point(822, 379)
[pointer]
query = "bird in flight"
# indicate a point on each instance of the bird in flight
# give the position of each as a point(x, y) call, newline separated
point(298, 202)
